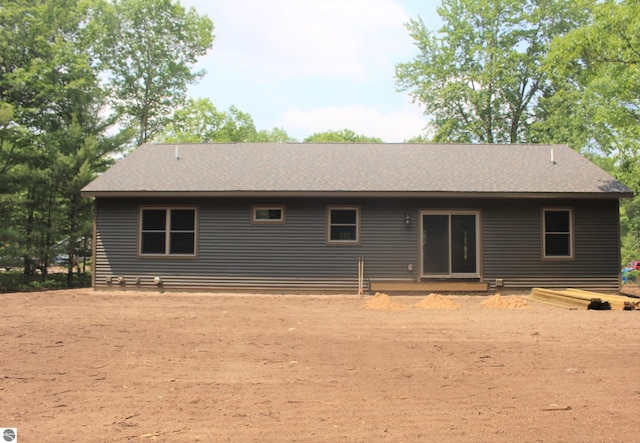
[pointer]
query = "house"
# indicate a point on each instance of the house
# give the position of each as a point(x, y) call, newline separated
point(341, 217)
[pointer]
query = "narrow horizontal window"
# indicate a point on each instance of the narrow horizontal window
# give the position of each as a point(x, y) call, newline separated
point(557, 233)
point(268, 214)
point(168, 231)
point(343, 225)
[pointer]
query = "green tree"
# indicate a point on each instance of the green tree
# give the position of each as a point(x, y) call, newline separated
point(12, 153)
point(48, 87)
point(422, 138)
point(147, 48)
point(596, 68)
point(80, 149)
point(479, 75)
point(199, 121)
point(275, 135)
point(341, 136)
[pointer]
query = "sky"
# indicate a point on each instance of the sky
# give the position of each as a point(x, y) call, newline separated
point(310, 66)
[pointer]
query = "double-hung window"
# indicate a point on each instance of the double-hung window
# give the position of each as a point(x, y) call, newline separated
point(168, 231)
point(343, 225)
point(557, 228)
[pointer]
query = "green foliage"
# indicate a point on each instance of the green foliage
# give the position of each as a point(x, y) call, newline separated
point(341, 136)
point(147, 49)
point(595, 66)
point(200, 122)
point(632, 277)
point(419, 139)
point(275, 135)
point(479, 76)
point(53, 125)
point(19, 282)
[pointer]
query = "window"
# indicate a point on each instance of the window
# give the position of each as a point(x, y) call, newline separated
point(558, 233)
point(168, 231)
point(343, 225)
point(268, 214)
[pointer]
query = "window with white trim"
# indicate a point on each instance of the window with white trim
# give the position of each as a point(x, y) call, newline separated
point(268, 214)
point(343, 225)
point(168, 231)
point(557, 233)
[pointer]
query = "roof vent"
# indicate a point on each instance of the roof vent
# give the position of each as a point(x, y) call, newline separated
point(553, 161)
point(177, 152)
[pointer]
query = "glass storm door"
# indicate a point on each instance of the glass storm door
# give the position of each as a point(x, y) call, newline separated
point(450, 244)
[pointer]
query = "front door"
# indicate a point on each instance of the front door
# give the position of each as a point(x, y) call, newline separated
point(450, 244)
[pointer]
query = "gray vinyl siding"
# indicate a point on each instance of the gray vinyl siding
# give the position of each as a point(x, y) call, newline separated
point(512, 245)
point(235, 254)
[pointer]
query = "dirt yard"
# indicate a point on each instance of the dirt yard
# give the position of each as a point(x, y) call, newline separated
point(84, 366)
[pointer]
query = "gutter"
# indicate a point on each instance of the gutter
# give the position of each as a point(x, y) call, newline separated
point(359, 194)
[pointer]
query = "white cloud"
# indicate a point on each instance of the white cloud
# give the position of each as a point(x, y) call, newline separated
point(394, 126)
point(302, 38)
point(311, 66)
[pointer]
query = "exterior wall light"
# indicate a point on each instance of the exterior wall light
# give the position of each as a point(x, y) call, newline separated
point(407, 219)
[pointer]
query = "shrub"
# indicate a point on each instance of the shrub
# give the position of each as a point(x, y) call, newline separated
point(17, 281)
point(633, 276)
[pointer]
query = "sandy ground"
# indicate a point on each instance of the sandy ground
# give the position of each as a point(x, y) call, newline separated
point(84, 366)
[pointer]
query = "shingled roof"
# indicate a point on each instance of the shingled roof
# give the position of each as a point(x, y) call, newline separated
point(281, 169)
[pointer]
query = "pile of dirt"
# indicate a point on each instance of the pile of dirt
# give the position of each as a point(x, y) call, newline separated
point(382, 302)
point(500, 302)
point(437, 301)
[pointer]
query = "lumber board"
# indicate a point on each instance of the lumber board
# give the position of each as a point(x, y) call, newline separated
point(392, 286)
point(580, 299)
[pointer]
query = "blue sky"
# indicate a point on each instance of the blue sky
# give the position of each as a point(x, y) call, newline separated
point(314, 65)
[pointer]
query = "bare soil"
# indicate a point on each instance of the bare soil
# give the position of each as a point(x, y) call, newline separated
point(84, 366)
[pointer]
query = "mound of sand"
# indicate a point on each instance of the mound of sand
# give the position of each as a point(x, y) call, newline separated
point(437, 301)
point(382, 302)
point(500, 302)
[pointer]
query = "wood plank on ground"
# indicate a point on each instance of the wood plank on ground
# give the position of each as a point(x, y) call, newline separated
point(579, 299)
